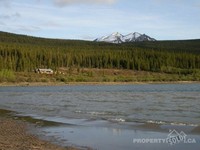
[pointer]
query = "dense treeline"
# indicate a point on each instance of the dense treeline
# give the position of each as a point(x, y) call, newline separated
point(24, 53)
point(191, 46)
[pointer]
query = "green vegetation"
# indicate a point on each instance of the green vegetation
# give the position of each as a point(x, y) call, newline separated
point(171, 60)
point(104, 75)
point(7, 75)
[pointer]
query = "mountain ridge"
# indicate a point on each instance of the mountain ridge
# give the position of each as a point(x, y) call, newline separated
point(118, 38)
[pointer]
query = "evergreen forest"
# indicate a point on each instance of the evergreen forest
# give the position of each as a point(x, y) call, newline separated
point(21, 53)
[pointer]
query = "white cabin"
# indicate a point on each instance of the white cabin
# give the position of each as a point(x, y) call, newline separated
point(44, 71)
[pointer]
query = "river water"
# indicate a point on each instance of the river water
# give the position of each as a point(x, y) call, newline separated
point(107, 106)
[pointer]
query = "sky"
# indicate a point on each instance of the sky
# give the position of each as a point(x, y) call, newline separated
point(90, 19)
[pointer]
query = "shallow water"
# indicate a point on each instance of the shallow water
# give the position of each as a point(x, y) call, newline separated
point(94, 109)
point(116, 138)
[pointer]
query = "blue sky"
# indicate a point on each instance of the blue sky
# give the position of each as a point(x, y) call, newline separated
point(89, 19)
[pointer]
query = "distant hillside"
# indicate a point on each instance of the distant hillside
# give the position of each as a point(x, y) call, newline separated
point(176, 45)
point(24, 39)
point(25, 53)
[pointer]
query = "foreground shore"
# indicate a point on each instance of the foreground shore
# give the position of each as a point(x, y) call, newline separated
point(18, 133)
point(14, 136)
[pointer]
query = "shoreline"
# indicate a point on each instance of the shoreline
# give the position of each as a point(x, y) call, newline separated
point(23, 132)
point(4, 84)
point(17, 134)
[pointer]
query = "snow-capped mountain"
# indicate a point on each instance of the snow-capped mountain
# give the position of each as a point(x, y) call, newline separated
point(119, 38)
point(113, 38)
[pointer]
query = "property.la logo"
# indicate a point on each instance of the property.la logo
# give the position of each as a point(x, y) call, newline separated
point(175, 137)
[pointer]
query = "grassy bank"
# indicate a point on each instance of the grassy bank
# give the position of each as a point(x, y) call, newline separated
point(80, 75)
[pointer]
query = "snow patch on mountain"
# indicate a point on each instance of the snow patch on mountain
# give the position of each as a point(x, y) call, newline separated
point(116, 37)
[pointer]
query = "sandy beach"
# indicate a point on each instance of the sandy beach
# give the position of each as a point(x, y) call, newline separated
point(14, 135)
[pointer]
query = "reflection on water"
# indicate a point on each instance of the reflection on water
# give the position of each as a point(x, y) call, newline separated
point(107, 138)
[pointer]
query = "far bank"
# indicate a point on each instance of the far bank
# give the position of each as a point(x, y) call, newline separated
point(95, 76)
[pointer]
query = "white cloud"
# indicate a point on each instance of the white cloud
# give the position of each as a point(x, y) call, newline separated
point(4, 3)
point(10, 16)
point(68, 2)
point(2, 23)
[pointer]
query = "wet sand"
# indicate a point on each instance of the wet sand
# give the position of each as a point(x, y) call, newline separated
point(14, 135)
point(196, 130)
